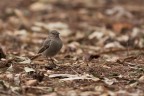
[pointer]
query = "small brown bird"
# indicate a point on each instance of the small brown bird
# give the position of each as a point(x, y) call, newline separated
point(51, 45)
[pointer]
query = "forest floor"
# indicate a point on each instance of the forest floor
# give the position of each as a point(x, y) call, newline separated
point(102, 53)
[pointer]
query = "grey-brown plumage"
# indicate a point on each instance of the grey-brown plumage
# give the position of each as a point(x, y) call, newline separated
point(51, 45)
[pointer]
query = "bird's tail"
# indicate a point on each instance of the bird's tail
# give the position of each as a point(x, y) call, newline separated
point(36, 56)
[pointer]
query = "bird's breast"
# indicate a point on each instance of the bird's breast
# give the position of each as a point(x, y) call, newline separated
point(54, 48)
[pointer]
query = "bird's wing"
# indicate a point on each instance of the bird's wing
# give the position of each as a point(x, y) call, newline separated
point(45, 46)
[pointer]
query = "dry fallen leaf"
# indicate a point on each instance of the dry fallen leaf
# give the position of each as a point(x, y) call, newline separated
point(111, 58)
point(10, 76)
point(24, 60)
point(71, 93)
point(96, 34)
point(113, 45)
point(27, 69)
point(40, 6)
point(31, 82)
point(109, 81)
point(100, 88)
point(119, 12)
point(17, 80)
point(141, 79)
point(51, 94)
point(74, 77)
point(121, 26)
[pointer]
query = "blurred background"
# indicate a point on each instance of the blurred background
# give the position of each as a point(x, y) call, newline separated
point(102, 24)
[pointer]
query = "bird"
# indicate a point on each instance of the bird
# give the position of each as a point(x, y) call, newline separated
point(51, 46)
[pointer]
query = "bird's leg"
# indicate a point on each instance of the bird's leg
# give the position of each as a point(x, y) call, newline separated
point(51, 65)
point(52, 60)
point(47, 59)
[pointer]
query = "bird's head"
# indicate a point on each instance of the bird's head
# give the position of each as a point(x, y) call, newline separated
point(54, 33)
